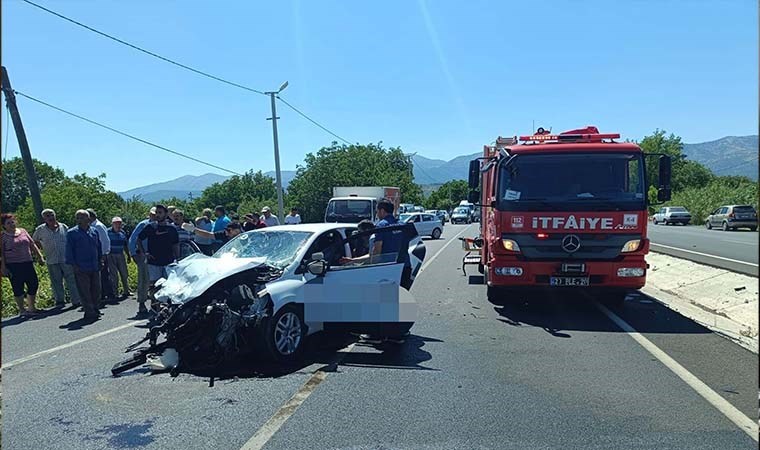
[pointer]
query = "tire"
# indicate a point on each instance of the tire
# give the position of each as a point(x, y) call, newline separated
point(726, 227)
point(436, 234)
point(481, 269)
point(284, 334)
point(708, 225)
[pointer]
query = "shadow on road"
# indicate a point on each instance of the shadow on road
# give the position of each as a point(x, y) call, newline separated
point(43, 313)
point(561, 313)
point(323, 349)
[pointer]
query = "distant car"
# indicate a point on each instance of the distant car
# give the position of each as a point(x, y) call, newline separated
point(461, 214)
point(672, 214)
point(426, 224)
point(475, 215)
point(443, 215)
point(418, 209)
point(437, 214)
point(731, 217)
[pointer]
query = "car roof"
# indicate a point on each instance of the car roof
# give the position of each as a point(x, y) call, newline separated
point(311, 227)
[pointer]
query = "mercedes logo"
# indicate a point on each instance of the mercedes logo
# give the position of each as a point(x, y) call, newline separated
point(571, 243)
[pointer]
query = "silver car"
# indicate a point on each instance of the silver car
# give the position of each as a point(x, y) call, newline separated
point(672, 214)
point(731, 217)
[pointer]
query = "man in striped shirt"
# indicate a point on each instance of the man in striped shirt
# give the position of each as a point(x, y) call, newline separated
point(118, 257)
point(51, 237)
point(178, 217)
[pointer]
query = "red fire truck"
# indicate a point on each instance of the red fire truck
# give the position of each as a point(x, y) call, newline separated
point(564, 210)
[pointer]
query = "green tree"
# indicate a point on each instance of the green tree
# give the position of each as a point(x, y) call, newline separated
point(15, 186)
point(349, 165)
point(448, 195)
point(251, 186)
point(685, 173)
point(78, 192)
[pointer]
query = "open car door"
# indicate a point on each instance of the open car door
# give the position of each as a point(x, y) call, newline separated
point(376, 290)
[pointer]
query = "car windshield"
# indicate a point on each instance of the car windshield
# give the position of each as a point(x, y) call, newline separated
point(592, 181)
point(280, 248)
point(352, 211)
point(677, 209)
point(461, 211)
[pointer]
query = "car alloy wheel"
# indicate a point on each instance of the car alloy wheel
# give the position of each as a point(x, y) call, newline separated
point(288, 333)
point(436, 233)
point(708, 225)
point(725, 226)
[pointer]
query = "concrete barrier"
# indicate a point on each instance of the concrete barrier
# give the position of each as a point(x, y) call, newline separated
point(723, 301)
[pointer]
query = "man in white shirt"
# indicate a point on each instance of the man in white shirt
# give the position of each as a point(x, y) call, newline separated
point(293, 218)
point(268, 218)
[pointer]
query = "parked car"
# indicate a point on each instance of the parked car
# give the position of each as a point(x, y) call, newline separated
point(268, 289)
point(426, 224)
point(461, 214)
point(731, 217)
point(475, 215)
point(440, 214)
point(672, 214)
point(443, 215)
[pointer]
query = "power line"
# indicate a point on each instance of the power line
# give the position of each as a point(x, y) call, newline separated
point(124, 133)
point(432, 180)
point(178, 64)
point(140, 49)
point(723, 169)
point(311, 120)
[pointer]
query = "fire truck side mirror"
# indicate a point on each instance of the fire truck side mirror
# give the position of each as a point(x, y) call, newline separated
point(663, 191)
point(474, 175)
point(473, 197)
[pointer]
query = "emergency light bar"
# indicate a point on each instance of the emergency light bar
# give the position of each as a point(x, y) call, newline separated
point(596, 137)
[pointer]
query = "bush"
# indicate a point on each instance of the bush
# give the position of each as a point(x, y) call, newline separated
point(45, 293)
point(701, 201)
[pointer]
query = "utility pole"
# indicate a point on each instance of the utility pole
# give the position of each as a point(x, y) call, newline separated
point(23, 145)
point(278, 175)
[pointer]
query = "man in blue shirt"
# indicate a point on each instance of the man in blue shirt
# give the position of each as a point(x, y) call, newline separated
point(386, 244)
point(85, 254)
point(219, 225)
point(142, 264)
point(118, 257)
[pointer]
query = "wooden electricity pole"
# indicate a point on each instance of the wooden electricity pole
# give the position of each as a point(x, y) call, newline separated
point(23, 145)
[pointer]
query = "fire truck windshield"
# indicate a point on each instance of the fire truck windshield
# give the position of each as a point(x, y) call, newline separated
point(572, 182)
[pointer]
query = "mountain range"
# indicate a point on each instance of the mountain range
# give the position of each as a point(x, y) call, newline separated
point(731, 155)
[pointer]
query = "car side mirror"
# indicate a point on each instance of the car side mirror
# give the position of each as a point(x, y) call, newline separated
point(318, 268)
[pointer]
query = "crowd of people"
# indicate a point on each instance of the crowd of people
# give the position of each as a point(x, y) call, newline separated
point(89, 260)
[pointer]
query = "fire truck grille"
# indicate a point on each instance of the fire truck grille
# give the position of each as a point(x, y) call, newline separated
point(593, 247)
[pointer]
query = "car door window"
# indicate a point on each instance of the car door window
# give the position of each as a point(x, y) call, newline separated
point(331, 245)
point(186, 249)
point(724, 210)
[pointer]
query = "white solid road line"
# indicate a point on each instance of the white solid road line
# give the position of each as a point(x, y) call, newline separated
point(265, 433)
point(452, 239)
point(746, 424)
point(703, 254)
point(16, 362)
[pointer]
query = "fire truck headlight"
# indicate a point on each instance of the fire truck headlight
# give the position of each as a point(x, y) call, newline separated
point(630, 272)
point(510, 245)
point(631, 246)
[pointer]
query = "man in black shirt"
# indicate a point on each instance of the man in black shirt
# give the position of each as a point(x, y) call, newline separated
point(163, 245)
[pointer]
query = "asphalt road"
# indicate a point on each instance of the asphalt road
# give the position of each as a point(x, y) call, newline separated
point(733, 250)
point(545, 371)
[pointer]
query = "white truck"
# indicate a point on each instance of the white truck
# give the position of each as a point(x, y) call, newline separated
point(352, 204)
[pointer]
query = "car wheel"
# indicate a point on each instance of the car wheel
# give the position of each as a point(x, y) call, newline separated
point(436, 233)
point(726, 227)
point(708, 225)
point(284, 334)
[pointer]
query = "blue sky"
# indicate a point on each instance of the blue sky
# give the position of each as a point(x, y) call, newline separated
point(440, 78)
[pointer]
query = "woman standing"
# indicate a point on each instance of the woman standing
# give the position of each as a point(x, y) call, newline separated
point(17, 263)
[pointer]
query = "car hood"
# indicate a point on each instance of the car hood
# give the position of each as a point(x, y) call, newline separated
point(193, 275)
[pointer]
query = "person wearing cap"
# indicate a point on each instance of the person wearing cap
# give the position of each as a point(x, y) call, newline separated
point(252, 222)
point(232, 230)
point(220, 224)
point(268, 218)
point(106, 290)
point(293, 218)
point(118, 257)
point(142, 265)
point(51, 238)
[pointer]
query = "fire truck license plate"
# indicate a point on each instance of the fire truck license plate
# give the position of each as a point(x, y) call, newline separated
point(568, 281)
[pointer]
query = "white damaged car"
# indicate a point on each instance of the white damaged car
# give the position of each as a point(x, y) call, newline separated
point(268, 289)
